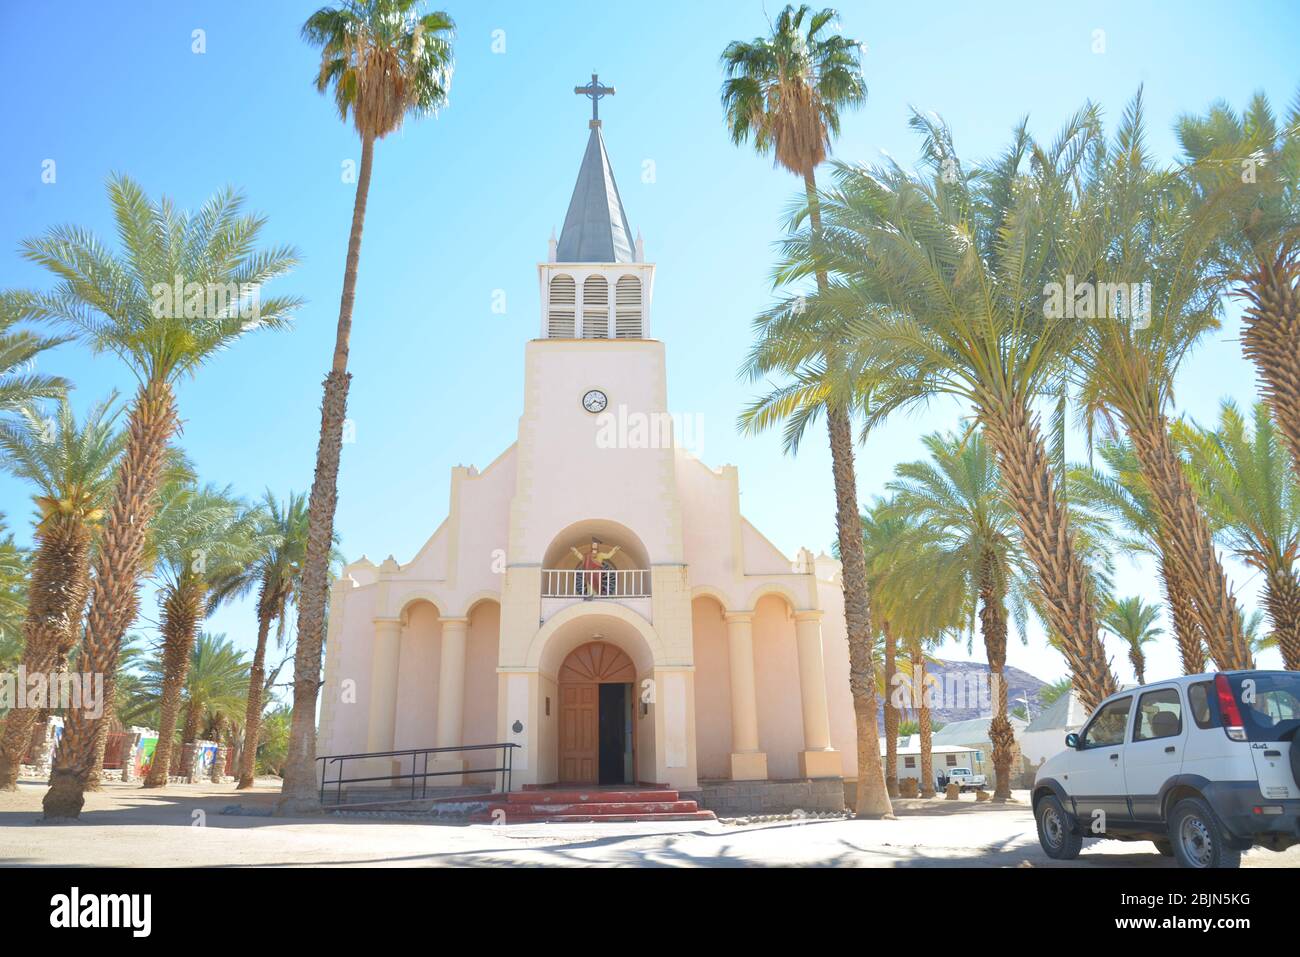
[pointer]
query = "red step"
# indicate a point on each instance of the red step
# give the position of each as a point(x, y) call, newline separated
point(513, 817)
point(602, 807)
point(593, 796)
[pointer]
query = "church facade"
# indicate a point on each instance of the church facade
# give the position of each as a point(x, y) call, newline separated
point(642, 631)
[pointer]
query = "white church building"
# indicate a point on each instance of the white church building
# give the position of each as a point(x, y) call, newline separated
point(640, 631)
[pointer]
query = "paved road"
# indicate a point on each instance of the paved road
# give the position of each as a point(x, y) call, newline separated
point(183, 826)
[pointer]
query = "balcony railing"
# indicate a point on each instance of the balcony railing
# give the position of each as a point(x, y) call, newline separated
point(608, 583)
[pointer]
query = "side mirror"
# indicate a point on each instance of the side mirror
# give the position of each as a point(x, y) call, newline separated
point(1072, 741)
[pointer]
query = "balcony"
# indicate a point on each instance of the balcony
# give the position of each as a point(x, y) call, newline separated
point(608, 584)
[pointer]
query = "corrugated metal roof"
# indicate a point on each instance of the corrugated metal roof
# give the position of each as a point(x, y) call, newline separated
point(595, 229)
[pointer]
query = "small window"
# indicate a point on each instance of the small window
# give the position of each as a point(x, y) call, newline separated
point(952, 760)
point(627, 308)
point(562, 303)
point(909, 762)
point(595, 308)
point(1198, 698)
point(1160, 715)
point(1108, 725)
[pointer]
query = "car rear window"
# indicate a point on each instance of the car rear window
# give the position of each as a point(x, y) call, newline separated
point(1199, 696)
point(1269, 702)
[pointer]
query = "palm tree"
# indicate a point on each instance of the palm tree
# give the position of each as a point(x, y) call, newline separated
point(1136, 342)
point(276, 574)
point(784, 93)
point(1249, 164)
point(71, 466)
point(1121, 494)
point(125, 303)
point(384, 61)
point(19, 349)
point(957, 496)
point(1246, 481)
point(1251, 628)
point(1133, 621)
point(200, 535)
point(940, 275)
point(14, 574)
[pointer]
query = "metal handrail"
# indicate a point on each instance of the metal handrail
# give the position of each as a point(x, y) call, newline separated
point(505, 769)
point(595, 583)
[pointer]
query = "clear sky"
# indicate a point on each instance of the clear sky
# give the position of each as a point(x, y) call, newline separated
point(461, 207)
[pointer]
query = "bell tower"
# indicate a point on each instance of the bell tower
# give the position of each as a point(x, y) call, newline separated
point(595, 283)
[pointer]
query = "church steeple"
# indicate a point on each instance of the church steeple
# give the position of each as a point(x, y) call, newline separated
point(596, 229)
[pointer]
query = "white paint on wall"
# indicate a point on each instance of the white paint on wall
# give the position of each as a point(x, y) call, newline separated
point(675, 720)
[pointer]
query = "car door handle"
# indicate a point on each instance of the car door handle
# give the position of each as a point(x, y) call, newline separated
point(1170, 750)
point(1114, 757)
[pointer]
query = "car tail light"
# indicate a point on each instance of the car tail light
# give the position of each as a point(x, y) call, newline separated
point(1232, 723)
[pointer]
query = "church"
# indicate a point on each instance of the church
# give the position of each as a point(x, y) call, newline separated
point(640, 632)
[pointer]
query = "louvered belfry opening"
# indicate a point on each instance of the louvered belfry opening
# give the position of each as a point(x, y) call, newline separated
point(560, 311)
point(595, 308)
point(627, 308)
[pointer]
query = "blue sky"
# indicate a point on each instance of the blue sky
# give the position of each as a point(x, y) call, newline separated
point(462, 205)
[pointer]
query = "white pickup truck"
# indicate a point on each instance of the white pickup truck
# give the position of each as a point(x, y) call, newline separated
point(965, 778)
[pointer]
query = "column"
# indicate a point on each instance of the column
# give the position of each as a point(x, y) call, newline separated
point(384, 660)
point(451, 702)
point(747, 762)
point(818, 759)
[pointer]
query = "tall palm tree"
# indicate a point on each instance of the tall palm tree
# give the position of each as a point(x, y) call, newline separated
point(1120, 493)
point(276, 574)
point(200, 535)
point(20, 385)
point(1131, 352)
point(1133, 621)
point(124, 303)
point(942, 274)
point(384, 61)
point(784, 93)
point(14, 574)
point(957, 495)
point(71, 467)
point(1245, 478)
point(1249, 163)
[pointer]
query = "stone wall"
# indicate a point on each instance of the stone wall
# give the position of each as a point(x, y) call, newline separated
point(726, 798)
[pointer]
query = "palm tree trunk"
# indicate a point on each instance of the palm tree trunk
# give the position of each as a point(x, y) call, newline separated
point(1189, 545)
point(993, 627)
point(95, 778)
point(873, 795)
point(1139, 662)
point(298, 794)
point(1270, 337)
point(1187, 629)
point(921, 701)
point(891, 710)
point(253, 715)
point(181, 613)
point(189, 734)
point(56, 599)
point(1282, 599)
point(1044, 524)
point(114, 596)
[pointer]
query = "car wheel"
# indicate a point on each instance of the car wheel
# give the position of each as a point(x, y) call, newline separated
point(1054, 834)
point(1164, 847)
point(1198, 839)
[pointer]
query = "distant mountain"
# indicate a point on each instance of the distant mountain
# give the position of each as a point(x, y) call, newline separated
point(961, 697)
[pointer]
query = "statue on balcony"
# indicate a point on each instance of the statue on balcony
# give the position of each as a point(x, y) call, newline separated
point(592, 563)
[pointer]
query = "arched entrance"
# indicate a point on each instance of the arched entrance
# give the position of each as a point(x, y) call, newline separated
point(597, 739)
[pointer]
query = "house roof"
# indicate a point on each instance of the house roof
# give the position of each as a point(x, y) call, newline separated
point(1064, 712)
point(912, 745)
point(972, 730)
point(595, 229)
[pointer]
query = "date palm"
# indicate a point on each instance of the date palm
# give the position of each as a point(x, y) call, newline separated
point(783, 93)
point(1133, 622)
point(1136, 341)
point(940, 276)
point(384, 60)
point(1120, 493)
point(1250, 164)
point(1244, 474)
point(275, 572)
point(20, 384)
point(14, 574)
point(122, 302)
point(956, 494)
point(200, 535)
point(71, 466)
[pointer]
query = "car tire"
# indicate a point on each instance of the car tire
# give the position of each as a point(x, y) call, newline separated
point(1058, 841)
point(1199, 839)
point(1164, 847)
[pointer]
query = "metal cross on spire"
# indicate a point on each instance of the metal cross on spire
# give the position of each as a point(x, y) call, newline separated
point(594, 91)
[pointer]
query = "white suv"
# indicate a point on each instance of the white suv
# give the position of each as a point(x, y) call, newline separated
point(1205, 766)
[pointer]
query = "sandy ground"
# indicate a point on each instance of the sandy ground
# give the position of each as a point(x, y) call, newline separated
point(182, 826)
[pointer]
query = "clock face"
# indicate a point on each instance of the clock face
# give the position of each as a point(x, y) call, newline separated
point(595, 401)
